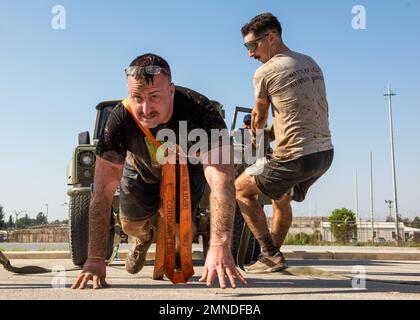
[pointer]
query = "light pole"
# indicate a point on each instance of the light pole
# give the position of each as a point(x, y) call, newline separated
point(389, 204)
point(356, 197)
point(389, 94)
point(371, 197)
point(17, 215)
point(47, 212)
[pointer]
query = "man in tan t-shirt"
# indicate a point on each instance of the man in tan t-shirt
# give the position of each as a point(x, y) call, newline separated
point(294, 86)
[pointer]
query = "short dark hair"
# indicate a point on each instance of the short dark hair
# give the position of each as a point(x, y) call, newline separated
point(261, 24)
point(150, 59)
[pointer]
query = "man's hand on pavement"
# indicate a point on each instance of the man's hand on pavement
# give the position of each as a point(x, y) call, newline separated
point(94, 270)
point(219, 262)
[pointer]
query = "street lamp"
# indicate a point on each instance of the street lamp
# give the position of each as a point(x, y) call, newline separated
point(390, 94)
point(389, 204)
point(47, 212)
point(17, 215)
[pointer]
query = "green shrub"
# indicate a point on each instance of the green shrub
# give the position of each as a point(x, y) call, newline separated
point(303, 239)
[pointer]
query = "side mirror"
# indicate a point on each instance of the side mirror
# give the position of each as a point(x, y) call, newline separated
point(84, 138)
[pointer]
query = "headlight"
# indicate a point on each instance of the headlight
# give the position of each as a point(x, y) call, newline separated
point(87, 158)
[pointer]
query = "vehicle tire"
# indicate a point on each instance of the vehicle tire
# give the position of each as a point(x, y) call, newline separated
point(110, 245)
point(206, 244)
point(257, 251)
point(236, 238)
point(79, 230)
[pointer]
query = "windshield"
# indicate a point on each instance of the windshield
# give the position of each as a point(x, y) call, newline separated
point(103, 117)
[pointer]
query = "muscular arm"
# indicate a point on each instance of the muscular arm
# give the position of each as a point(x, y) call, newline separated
point(107, 178)
point(259, 115)
point(220, 178)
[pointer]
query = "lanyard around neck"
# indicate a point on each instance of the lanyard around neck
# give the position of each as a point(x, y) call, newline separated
point(165, 256)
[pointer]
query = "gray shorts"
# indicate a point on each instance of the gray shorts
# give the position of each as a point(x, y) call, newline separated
point(140, 200)
point(293, 177)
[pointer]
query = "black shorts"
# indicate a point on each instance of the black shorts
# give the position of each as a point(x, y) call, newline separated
point(140, 200)
point(293, 177)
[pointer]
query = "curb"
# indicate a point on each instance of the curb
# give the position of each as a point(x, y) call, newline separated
point(289, 254)
point(196, 255)
point(353, 255)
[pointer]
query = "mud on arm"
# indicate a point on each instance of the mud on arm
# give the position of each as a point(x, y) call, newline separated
point(107, 178)
point(220, 177)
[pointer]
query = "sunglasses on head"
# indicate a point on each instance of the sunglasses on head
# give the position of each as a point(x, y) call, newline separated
point(253, 44)
point(152, 70)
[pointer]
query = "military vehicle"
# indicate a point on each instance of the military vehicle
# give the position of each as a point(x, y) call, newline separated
point(80, 174)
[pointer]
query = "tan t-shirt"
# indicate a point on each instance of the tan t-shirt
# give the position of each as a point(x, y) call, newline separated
point(295, 86)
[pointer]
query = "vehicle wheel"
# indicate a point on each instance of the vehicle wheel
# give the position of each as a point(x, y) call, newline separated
point(236, 238)
point(206, 243)
point(111, 236)
point(257, 251)
point(79, 230)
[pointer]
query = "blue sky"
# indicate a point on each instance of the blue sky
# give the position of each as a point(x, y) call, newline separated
point(51, 80)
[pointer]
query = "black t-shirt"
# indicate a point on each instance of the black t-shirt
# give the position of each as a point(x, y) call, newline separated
point(122, 141)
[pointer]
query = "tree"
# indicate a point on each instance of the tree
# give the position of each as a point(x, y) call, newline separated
point(24, 222)
point(343, 224)
point(415, 223)
point(10, 224)
point(2, 222)
point(391, 218)
point(41, 219)
point(56, 221)
point(406, 221)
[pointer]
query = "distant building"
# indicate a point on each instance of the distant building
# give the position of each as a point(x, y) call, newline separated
point(308, 225)
point(51, 233)
point(3, 235)
point(383, 231)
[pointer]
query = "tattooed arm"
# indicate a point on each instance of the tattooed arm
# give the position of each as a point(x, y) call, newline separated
point(220, 178)
point(107, 178)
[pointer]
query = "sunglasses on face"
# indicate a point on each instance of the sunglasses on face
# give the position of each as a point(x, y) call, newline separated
point(253, 44)
point(152, 70)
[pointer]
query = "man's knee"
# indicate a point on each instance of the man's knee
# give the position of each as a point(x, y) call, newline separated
point(135, 227)
point(284, 200)
point(239, 186)
point(245, 186)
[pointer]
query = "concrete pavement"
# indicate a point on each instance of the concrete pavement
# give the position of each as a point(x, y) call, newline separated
point(305, 279)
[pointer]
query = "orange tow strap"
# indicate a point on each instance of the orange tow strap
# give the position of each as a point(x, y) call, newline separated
point(165, 256)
